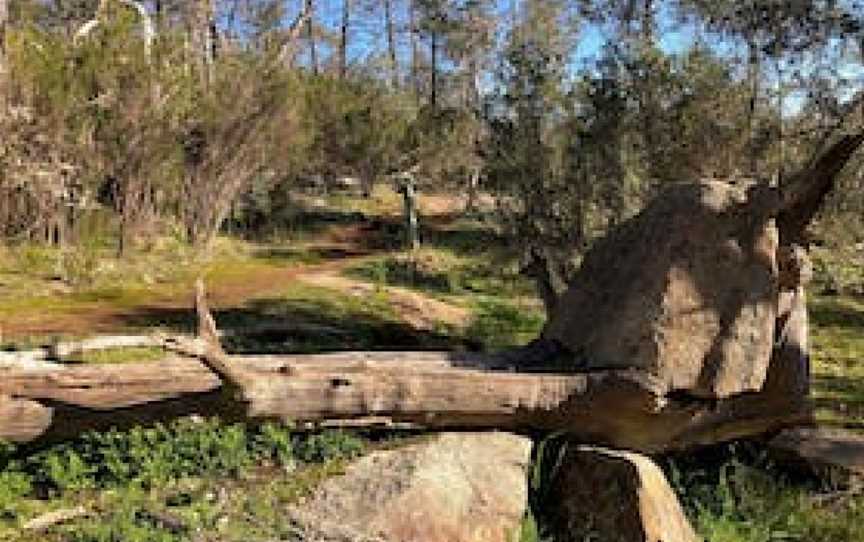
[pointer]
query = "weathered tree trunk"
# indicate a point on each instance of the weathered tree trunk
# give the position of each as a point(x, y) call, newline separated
point(416, 389)
point(805, 192)
point(203, 32)
point(391, 43)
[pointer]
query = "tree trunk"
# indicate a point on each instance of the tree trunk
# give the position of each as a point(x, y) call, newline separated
point(205, 28)
point(343, 44)
point(391, 43)
point(4, 62)
point(433, 96)
point(433, 390)
point(409, 202)
point(415, 54)
point(753, 77)
point(804, 192)
point(310, 36)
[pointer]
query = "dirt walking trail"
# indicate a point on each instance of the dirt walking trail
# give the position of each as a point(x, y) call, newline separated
point(343, 246)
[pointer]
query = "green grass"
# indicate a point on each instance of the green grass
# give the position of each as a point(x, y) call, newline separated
point(131, 354)
point(210, 477)
point(740, 496)
point(836, 353)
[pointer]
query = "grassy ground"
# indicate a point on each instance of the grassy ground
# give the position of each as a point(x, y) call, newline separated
point(279, 287)
point(198, 478)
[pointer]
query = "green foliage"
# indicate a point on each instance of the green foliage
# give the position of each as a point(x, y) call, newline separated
point(274, 443)
point(499, 324)
point(164, 482)
point(128, 520)
point(328, 445)
point(150, 456)
point(740, 497)
point(14, 486)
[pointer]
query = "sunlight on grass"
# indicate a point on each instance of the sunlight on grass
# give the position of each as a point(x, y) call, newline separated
point(135, 354)
point(837, 353)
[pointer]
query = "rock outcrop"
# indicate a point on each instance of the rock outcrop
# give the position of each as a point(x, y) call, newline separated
point(686, 292)
point(453, 487)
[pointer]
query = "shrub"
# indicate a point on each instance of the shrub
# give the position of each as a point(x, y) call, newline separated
point(150, 456)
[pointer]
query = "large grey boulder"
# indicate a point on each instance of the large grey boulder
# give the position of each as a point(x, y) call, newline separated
point(453, 487)
point(686, 292)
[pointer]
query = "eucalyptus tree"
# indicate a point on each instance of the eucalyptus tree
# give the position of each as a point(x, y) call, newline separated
point(526, 154)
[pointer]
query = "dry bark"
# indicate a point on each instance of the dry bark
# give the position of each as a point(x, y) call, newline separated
point(433, 390)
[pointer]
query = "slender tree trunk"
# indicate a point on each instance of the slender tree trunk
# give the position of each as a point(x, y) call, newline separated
point(391, 42)
point(201, 28)
point(753, 75)
point(208, 31)
point(310, 35)
point(647, 23)
point(433, 95)
point(409, 201)
point(4, 67)
point(343, 44)
point(415, 54)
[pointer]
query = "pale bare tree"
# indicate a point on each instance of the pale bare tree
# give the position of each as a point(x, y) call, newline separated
point(289, 47)
point(147, 26)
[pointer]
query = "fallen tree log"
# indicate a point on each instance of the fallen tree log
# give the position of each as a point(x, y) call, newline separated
point(436, 390)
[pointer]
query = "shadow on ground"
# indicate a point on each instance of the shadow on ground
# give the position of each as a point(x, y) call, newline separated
point(285, 326)
point(836, 312)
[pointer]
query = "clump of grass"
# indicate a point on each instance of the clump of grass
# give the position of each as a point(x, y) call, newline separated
point(499, 324)
point(740, 496)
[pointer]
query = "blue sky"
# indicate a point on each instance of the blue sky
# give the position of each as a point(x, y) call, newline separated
point(368, 37)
